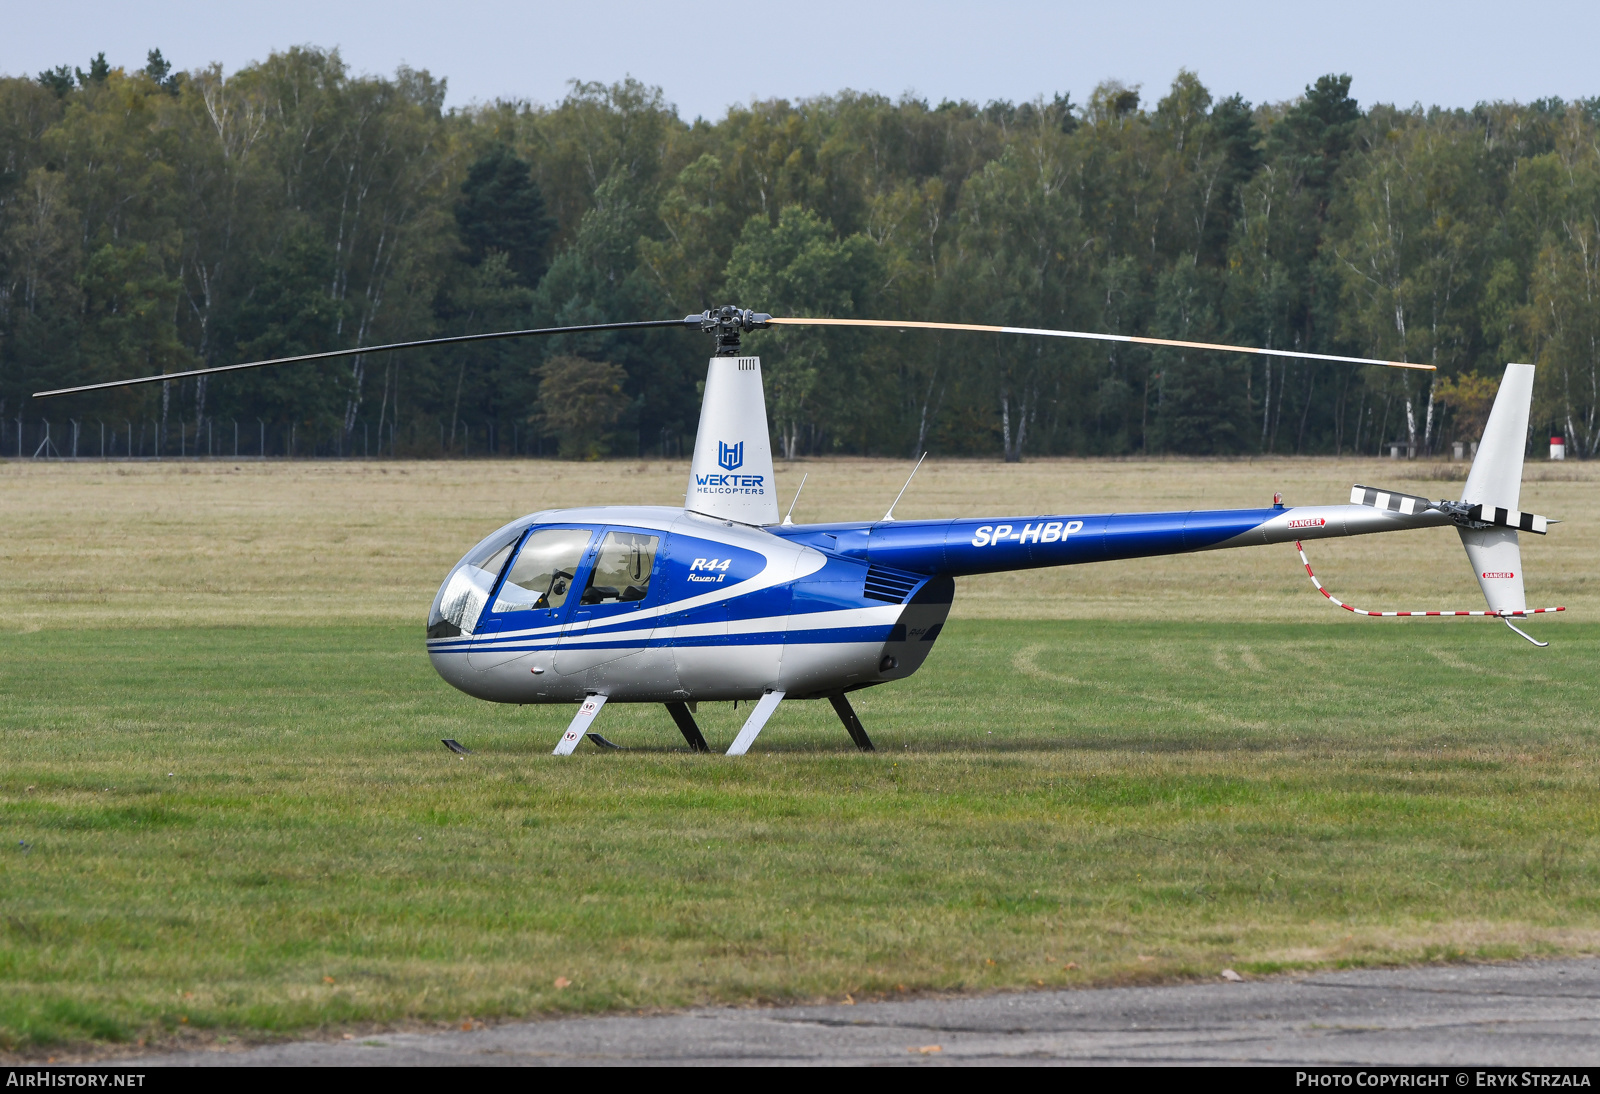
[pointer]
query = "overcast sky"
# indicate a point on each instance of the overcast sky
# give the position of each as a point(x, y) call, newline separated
point(706, 56)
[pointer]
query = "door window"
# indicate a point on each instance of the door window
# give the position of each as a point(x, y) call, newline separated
point(542, 575)
point(621, 572)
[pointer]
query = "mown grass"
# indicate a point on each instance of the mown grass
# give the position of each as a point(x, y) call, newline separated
point(254, 830)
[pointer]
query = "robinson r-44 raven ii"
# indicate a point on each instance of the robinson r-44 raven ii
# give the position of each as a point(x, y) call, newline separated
point(722, 600)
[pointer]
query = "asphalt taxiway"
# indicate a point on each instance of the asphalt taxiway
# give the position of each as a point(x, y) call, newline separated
point(1536, 1013)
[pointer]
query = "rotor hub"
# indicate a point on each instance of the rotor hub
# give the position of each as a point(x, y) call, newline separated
point(726, 324)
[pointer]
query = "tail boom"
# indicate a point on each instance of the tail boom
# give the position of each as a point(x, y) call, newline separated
point(998, 545)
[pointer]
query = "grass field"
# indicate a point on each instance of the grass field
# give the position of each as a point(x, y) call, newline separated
point(226, 815)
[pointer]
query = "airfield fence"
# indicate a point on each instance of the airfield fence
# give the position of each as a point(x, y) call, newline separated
point(237, 438)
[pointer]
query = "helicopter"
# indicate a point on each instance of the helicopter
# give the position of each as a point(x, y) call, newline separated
point(721, 600)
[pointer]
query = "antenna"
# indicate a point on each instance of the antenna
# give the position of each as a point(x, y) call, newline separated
point(802, 486)
point(890, 514)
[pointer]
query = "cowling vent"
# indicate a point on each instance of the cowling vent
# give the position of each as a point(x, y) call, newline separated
point(889, 586)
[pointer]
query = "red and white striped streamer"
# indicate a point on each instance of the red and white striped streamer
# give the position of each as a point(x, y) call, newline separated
point(1402, 615)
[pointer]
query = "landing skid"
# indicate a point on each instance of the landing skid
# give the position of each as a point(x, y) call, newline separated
point(590, 709)
point(688, 727)
point(852, 724)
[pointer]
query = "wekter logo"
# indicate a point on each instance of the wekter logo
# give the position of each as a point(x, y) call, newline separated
point(730, 456)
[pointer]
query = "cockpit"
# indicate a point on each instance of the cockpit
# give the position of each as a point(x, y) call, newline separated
point(527, 568)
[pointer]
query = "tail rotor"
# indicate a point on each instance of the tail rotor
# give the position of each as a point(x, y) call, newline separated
point(1487, 517)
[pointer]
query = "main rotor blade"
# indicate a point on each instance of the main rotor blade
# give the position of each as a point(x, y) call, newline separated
point(451, 340)
point(1090, 336)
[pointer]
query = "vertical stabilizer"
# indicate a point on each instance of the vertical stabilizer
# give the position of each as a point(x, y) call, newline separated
point(1496, 558)
point(1495, 482)
point(731, 475)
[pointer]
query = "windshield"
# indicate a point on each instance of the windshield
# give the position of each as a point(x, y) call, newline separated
point(466, 588)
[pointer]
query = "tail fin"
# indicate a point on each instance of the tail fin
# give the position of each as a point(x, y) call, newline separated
point(1495, 482)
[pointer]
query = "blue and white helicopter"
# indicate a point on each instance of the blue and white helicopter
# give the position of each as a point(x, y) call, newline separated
point(720, 600)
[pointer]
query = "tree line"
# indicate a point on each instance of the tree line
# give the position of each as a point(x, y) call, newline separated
point(158, 220)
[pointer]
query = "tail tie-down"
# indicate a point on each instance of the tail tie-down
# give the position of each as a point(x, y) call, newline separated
point(1503, 615)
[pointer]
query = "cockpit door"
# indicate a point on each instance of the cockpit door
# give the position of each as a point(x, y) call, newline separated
point(534, 597)
point(616, 611)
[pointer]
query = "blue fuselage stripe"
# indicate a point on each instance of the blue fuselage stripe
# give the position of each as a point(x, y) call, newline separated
point(969, 546)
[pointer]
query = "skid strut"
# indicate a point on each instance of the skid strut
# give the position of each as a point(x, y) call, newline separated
point(752, 726)
point(687, 727)
point(587, 711)
point(852, 724)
